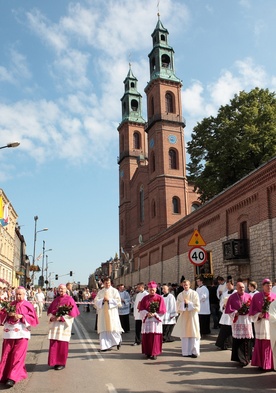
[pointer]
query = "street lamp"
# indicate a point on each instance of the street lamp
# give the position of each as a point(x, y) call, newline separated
point(46, 269)
point(12, 144)
point(43, 255)
point(35, 234)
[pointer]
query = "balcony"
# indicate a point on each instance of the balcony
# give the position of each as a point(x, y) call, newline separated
point(169, 117)
point(235, 251)
point(135, 153)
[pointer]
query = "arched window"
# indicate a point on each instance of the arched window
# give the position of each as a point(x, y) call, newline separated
point(152, 162)
point(136, 140)
point(169, 103)
point(134, 105)
point(194, 207)
point(141, 204)
point(165, 61)
point(153, 209)
point(173, 159)
point(176, 205)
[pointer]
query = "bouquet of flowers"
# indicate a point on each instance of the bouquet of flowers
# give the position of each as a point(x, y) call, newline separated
point(243, 310)
point(153, 307)
point(266, 303)
point(63, 310)
point(7, 306)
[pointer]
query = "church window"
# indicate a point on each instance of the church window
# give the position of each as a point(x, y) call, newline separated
point(169, 103)
point(176, 205)
point(165, 60)
point(194, 207)
point(134, 105)
point(132, 85)
point(173, 159)
point(136, 140)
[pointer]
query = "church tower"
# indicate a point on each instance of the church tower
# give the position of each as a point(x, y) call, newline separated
point(165, 129)
point(154, 192)
point(133, 154)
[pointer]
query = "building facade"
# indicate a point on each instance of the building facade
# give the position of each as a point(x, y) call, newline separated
point(9, 257)
point(158, 209)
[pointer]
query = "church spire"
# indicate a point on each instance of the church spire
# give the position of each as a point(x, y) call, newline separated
point(162, 55)
point(131, 100)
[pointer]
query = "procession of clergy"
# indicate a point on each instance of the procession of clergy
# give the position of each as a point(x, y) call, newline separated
point(248, 320)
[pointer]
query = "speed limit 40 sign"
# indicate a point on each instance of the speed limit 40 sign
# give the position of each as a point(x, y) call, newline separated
point(197, 255)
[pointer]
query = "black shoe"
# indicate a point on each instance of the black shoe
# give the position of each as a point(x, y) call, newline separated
point(57, 367)
point(134, 344)
point(119, 346)
point(193, 356)
point(10, 383)
point(104, 350)
point(153, 357)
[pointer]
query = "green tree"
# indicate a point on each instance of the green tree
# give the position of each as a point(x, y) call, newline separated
point(225, 148)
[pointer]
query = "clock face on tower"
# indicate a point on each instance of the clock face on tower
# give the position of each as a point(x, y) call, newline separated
point(172, 139)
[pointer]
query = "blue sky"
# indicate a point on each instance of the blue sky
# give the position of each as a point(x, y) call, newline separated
point(62, 66)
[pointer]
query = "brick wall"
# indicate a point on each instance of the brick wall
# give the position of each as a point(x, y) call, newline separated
point(253, 199)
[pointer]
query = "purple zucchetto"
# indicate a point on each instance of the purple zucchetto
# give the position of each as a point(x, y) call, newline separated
point(152, 284)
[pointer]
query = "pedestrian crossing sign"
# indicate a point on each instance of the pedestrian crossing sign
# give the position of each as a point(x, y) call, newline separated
point(196, 239)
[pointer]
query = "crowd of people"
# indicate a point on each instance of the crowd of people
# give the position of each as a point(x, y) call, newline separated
point(244, 317)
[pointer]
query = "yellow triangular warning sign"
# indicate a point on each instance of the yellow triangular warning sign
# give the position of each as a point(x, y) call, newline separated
point(196, 239)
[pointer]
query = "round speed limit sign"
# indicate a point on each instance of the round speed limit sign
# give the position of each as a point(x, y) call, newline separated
point(198, 256)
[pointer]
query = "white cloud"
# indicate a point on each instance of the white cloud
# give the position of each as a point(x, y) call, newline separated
point(224, 88)
point(18, 69)
point(192, 99)
point(48, 32)
point(70, 70)
point(245, 3)
point(19, 65)
point(5, 75)
point(251, 74)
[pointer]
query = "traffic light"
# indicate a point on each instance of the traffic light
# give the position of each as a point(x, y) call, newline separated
point(71, 273)
point(56, 276)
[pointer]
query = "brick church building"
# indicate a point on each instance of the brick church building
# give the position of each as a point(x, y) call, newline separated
point(158, 209)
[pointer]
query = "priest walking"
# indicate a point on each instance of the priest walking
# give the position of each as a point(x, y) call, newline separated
point(109, 326)
point(17, 317)
point(61, 312)
point(152, 309)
